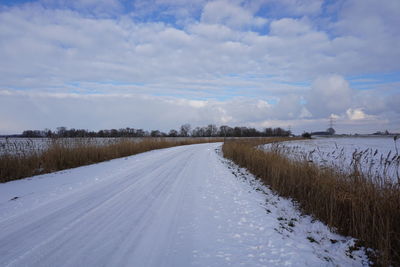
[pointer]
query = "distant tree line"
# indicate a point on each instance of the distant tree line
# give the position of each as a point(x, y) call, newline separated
point(185, 130)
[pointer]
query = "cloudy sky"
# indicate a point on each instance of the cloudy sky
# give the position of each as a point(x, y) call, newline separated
point(156, 64)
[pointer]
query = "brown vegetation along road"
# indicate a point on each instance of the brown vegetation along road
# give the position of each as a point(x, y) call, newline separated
point(354, 206)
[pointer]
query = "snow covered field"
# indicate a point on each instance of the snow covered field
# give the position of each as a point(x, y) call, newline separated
point(15, 146)
point(376, 155)
point(182, 206)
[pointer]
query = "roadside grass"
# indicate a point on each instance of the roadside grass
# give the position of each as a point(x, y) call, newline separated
point(62, 154)
point(347, 202)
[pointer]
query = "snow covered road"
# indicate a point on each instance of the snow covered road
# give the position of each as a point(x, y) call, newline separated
point(182, 206)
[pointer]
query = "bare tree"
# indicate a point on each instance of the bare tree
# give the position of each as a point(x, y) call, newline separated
point(185, 130)
point(173, 133)
point(212, 130)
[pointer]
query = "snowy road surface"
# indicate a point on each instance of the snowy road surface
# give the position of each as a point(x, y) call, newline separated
point(183, 206)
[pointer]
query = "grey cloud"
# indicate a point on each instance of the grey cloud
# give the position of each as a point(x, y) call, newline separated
point(63, 50)
point(289, 27)
point(68, 47)
point(49, 110)
point(329, 94)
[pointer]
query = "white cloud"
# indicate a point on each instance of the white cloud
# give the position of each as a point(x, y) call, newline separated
point(183, 11)
point(97, 111)
point(94, 7)
point(301, 7)
point(57, 46)
point(217, 58)
point(289, 27)
point(262, 104)
point(33, 110)
point(286, 8)
point(371, 27)
point(356, 114)
point(304, 113)
point(214, 32)
point(227, 13)
point(367, 18)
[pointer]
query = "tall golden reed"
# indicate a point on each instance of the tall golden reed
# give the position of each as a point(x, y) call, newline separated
point(347, 202)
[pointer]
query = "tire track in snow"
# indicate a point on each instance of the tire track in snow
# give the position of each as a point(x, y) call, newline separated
point(93, 202)
point(181, 206)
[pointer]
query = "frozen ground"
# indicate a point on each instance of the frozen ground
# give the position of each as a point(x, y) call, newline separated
point(182, 206)
point(376, 155)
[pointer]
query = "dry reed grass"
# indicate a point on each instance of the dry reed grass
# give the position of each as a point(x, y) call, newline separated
point(62, 154)
point(379, 168)
point(347, 202)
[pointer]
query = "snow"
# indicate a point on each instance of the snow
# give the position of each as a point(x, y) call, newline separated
point(182, 206)
point(26, 146)
point(338, 152)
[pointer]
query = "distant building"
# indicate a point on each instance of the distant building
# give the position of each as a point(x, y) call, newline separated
point(386, 132)
point(329, 131)
point(320, 133)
